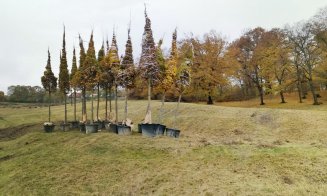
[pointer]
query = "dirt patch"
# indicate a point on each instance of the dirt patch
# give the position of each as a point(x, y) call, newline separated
point(266, 145)
point(287, 180)
point(7, 157)
point(237, 132)
point(265, 119)
point(231, 142)
point(11, 133)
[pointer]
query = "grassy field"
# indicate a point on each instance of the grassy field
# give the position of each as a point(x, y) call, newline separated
point(222, 151)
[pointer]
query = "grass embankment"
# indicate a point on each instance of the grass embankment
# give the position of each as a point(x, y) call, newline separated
point(292, 100)
point(222, 150)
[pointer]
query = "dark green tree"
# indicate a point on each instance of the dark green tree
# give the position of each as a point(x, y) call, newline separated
point(49, 82)
point(72, 84)
point(126, 75)
point(115, 66)
point(81, 78)
point(64, 76)
point(101, 55)
point(149, 67)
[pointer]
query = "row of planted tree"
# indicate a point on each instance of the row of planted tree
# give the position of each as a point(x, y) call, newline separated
point(109, 72)
point(292, 59)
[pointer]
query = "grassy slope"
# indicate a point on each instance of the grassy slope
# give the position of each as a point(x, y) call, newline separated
point(222, 150)
point(274, 102)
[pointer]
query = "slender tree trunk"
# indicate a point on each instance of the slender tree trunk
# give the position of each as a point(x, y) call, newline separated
point(176, 111)
point(82, 101)
point(106, 103)
point(281, 92)
point(74, 105)
point(84, 105)
point(246, 91)
point(197, 94)
point(126, 98)
point(65, 122)
point(282, 97)
point(209, 102)
point(299, 85)
point(148, 110)
point(92, 119)
point(312, 89)
point(98, 102)
point(71, 99)
point(299, 89)
point(49, 105)
point(110, 106)
point(116, 103)
point(162, 106)
point(260, 89)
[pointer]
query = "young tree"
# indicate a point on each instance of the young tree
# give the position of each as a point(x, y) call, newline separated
point(78, 79)
point(106, 76)
point(49, 82)
point(101, 55)
point(114, 66)
point(183, 78)
point(168, 70)
point(64, 76)
point(90, 71)
point(81, 78)
point(72, 84)
point(126, 75)
point(149, 68)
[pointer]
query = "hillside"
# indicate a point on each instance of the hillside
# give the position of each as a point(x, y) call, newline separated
point(222, 150)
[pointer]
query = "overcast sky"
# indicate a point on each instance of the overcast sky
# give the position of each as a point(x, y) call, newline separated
point(28, 28)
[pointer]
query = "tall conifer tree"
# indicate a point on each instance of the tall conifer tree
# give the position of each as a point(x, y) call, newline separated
point(72, 84)
point(101, 55)
point(115, 66)
point(64, 76)
point(127, 72)
point(81, 78)
point(149, 68)
point(90, 71)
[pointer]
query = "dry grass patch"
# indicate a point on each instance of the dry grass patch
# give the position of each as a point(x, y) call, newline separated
point(221, 151)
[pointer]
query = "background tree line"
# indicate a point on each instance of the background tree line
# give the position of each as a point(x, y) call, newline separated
point(34, 94)
point(29, 94)
point(259, 62)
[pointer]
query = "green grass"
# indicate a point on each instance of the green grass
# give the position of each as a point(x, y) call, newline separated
point(221, 151)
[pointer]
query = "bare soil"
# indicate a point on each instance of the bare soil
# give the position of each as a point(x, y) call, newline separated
point(11, 133)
